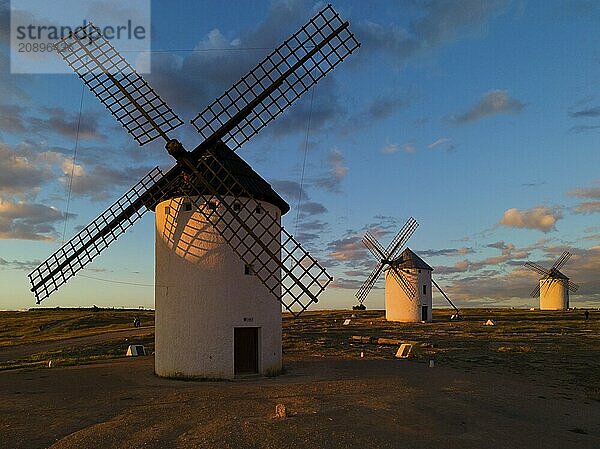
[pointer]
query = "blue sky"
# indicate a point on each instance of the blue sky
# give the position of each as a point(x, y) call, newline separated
point(480, 119)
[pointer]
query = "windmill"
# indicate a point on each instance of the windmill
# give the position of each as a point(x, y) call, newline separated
point(553, 288)
point(408, 278)
point(211, 195)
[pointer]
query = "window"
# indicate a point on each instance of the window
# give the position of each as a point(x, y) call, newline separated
point(212, 205)
point(248, 269)
point(167, 210)
point(187, 206)
point(424, 289)
point(258, 210)
point(237, 207)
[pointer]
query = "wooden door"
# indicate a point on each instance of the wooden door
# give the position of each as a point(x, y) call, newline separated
point(245, 344)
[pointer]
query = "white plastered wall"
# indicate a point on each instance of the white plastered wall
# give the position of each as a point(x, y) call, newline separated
point(202, 294)
point(399, 306)
point(553, 295)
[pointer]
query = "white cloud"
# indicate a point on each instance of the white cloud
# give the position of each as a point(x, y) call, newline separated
point(409, 148)
point(586, 192)
point(587, 207)
point(438, 142)
point(492, 103)
point(436, 24)
point(337, 171)
point(390, 148)
point(27, 221)
point(541, 218)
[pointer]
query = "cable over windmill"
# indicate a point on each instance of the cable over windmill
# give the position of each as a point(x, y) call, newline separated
point(553, 287)
point(408, 278)
point(227, 200)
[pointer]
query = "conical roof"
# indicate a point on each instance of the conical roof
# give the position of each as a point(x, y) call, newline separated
point(408, 259)
point(555, 274)
point(252, 182)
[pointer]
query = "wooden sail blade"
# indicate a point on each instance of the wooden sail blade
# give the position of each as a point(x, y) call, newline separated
point(537, 268)
point(276, 82)
point(401, 238)
point(535, 292)
point(117, 85)
point(572, 286)
point(98, 235)
point(563, 259)
point(374, 246)
point(366, 287)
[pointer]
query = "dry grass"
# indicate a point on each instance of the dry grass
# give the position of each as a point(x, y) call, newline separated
point(523, 342)
point(560, 343)
point(43, 325)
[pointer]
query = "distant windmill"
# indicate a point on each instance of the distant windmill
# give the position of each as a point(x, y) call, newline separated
point(220, 246)
point(553, 288)
point(408, 278)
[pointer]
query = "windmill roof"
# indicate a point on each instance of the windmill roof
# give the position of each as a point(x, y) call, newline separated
point(252, 182)
point(408, 259)
point(555, 274)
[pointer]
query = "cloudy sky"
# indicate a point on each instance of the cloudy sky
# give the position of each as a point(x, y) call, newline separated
point(479, 118)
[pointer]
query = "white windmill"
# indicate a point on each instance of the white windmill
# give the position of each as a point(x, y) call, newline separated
point(220, 248)
point(553, 288)
point(408, 278)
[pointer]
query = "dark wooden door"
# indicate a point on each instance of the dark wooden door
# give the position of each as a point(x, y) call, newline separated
point(245, 348)
point(424, 313)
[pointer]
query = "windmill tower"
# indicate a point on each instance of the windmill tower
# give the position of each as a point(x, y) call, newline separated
point(220, 248)
point(408, 278)
point(553, 288)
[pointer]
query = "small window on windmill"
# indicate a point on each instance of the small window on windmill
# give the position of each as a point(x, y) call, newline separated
point(424, 289)
point(212, 205)
point(237, 206)
point(187, 206)
point(167, 210)
point(419, 271)
point(248, 269)
point(258, 210)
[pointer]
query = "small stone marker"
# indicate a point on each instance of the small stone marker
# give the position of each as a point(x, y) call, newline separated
point(50, 364)
point(135, 350)
point(404, 351)
point(431, 364)
point(280, 411)
point(346, 321)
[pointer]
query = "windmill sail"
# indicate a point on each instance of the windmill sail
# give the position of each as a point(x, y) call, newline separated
point(374, 246)
point(117, 85)
point(553, 274)
point(385, 257)
point(278, 261)
point(95, 237)
point(366, 287)
point(276, 82)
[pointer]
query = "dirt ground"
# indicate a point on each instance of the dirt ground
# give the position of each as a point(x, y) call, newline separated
point(334, 398)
